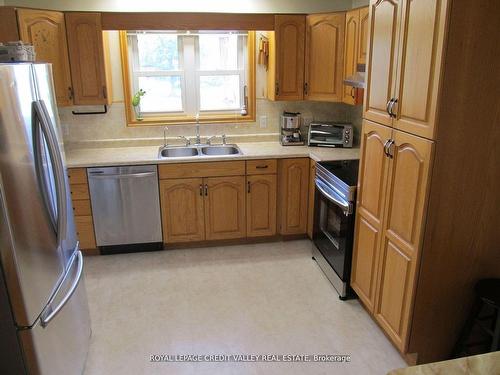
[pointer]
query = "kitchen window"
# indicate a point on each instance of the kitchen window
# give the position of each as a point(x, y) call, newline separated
point(185, 73)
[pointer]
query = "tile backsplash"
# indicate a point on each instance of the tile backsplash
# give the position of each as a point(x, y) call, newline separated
point(111, 129)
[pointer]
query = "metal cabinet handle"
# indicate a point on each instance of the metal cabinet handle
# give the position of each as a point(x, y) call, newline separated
point(261, 166)
point(248, 186)
point(353, 92)
point(277, 88)
point(389, 145)
point(201, 190)
point(306, 88)
point(206, 190)
point(385, 147)
point(388, 106)
point(394, 101)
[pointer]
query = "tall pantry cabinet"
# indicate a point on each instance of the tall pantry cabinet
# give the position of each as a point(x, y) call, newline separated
point(409, 141)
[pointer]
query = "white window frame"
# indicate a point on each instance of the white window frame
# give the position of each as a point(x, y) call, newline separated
point(190, 73)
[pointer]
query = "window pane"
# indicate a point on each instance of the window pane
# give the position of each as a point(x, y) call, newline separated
point(219, 92)
point(218, 52)
point(163, 94)
point(158, 52)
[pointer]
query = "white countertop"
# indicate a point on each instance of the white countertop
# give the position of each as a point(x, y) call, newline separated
point(111, 156)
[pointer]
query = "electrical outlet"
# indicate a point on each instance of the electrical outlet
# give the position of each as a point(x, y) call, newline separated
point(263, 121)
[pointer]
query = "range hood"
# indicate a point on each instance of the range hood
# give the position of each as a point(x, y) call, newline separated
point(357, 79)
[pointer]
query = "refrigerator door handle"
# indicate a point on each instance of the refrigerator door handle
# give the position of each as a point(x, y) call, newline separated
point(45, 319)
point(44, 120)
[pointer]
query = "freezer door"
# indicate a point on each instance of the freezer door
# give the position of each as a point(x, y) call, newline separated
point(59, 342)
point(32, 259)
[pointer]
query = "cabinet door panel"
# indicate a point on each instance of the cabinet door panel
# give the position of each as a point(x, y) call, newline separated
point(261, 205)
point(350, 53)
point(182, 210)
point(373, 174)
point(293, 192)
point(363, 35)
point(365, 260)
point(86, 54)
point(419, 65)
point(46, 31)
point(312, 193)
point(402, 236)
point(289, 54)
point(407, 190)
point(225, 207)
point(324, 58)
point(394, 293)
point(385, 17)
point(373, 169)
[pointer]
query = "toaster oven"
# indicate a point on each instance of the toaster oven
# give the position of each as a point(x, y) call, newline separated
point(330, 134)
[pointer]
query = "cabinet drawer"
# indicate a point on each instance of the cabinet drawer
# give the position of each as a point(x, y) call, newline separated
point(85, 232)
point(79, 191)
point(77, 176)
point(262, 166)
point(82, 208)
point(211, 169)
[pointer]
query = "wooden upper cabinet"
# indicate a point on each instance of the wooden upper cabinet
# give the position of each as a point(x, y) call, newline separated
point(324, 57)
point(286, 58)
point(261, 205)
point(384, 20)
point(182, 210)
point(419, 66)
point(402, 236)
point(293, 184)
point(8, 26)
point(46, 31)
point(356, 34)
point(224, 207)
point(86, 56)
point(371, 200)
point(350, 53)
point(363, 35)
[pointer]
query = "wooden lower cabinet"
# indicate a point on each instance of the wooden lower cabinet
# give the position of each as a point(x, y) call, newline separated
point(82, 209)
point(372, 183)
point(182, 210)
point(224, 207)
point(391, 206)
point(261, 205)
point(312, 191)
point(293, 186)
point(402, 233)
point(85, 232)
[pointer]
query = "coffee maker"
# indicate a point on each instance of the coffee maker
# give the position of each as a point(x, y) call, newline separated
point(290, 129)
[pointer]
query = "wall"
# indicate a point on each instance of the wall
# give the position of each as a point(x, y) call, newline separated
point(225, 6)
point(360, 3)
point(111, 129)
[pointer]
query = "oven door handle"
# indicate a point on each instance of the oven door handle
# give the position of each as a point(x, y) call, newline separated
point(334, 197)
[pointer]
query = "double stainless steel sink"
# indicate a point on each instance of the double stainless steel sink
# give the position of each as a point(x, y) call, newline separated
point(202, 150)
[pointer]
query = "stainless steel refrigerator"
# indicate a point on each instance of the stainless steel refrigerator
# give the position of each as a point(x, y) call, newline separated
point(44, 316)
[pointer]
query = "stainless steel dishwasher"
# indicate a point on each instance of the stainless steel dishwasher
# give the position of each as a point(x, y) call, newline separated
point(126, 208)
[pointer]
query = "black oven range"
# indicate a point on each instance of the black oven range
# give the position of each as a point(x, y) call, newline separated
point(333, 233)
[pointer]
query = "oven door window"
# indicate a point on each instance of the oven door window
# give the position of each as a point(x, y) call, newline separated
point(331, 234)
